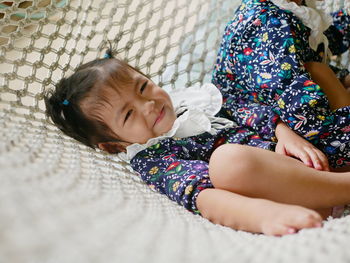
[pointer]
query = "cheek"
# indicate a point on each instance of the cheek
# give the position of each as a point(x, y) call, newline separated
point(138, 133)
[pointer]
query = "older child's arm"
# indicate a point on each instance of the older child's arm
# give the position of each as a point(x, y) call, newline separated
point(336, 93)
point(253, 214)
point(346, 83)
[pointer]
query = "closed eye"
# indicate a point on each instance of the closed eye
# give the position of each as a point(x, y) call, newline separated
point(143, 87)
point(127, 115)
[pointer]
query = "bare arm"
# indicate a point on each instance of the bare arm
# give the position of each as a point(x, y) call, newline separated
point(336, 93)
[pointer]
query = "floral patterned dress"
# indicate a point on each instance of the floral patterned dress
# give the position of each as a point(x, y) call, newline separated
point(260, 82)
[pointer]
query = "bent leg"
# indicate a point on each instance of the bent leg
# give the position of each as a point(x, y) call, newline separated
point(260, 173)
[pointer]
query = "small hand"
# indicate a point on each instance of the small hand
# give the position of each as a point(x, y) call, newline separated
point(291, 144)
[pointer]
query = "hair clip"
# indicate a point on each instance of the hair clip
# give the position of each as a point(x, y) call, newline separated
point(107, 55)
point(65, 102)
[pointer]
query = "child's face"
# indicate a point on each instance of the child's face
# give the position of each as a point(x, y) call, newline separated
point(136, 112)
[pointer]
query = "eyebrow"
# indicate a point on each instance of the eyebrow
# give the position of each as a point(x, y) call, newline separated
point(138, 80)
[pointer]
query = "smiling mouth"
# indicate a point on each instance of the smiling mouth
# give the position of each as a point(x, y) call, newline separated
point(160, 116)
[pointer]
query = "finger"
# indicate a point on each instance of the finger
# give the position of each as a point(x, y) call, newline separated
point(305, 158)
point(319, 159)
point(316, 162)
point(324, 160)
point(280, 149)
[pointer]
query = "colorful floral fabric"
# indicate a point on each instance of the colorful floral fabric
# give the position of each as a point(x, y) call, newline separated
point(260, 74)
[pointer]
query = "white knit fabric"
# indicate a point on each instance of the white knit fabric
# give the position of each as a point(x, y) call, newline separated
point(62, 202)
point(83, 206)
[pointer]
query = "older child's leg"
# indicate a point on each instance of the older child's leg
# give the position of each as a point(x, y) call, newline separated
point(260, 173)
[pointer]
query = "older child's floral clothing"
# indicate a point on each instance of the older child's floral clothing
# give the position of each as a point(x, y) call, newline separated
point(261, 77)
point(261, 61)
point(338, 33)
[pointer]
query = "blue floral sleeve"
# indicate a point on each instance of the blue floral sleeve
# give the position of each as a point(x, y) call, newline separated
point(161, 166)
point(260, 117)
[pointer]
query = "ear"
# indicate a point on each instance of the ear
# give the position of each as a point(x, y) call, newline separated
point(113, 147)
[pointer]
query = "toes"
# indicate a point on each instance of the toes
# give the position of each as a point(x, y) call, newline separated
point(291, 220)
point(280, 230)
point(307, 220)
point(310, 219)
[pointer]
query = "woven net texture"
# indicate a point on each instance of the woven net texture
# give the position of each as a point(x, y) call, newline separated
point(62, 202)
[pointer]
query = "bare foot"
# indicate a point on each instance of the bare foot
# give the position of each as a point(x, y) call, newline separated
point(282, 219)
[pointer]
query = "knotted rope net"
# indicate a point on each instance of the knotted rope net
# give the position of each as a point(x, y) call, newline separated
point(62, 202)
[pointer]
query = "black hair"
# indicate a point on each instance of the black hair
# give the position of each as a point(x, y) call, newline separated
point(63, 103)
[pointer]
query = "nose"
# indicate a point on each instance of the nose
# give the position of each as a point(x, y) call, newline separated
point(148, 106)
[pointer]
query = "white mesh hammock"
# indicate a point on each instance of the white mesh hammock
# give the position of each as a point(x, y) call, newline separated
point(62, 202)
